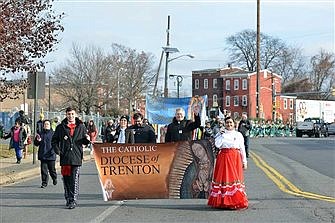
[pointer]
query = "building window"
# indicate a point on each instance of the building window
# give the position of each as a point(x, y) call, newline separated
point(215, 83)
point(236, 84)
point(227, 101)
point(235, 100)
point(244, 84)
point(291, 103)
point(228, 85)
point(205, 83)
point(196, 84)
point(244, 100)
point(215, 99)
point(236, 115)
point(285, 103)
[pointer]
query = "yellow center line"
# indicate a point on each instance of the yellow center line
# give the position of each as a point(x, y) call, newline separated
point(284, 184)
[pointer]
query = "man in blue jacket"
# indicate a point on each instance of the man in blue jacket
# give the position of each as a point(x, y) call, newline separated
point(68, 141)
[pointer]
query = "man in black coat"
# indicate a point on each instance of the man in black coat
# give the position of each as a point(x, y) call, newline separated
point(181, 129)
point(68, 141)
point(140, 132)
point(244, 127)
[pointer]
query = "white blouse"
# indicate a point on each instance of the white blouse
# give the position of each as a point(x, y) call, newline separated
point(231, 139)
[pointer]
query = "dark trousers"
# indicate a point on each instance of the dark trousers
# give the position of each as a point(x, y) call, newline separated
point(48, 167)
point(71, 185)
point(246, 145)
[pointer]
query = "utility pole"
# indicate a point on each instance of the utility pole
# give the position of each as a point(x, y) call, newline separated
point(273, 98)
point(166, 93)
point(258, 59)
point(157, 74)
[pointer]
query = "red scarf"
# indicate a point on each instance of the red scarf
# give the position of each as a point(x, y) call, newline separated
point(72, 127)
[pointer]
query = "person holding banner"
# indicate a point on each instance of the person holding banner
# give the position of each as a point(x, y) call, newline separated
point(181, 129)
point(140, 132)
point(228, 189)
point(68, 141)
point(120, 133)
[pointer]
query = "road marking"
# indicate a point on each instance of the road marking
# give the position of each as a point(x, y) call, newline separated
point(284, 184)
point(107, 212)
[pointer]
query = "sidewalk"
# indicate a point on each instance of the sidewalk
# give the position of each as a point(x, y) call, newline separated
point(11, 172)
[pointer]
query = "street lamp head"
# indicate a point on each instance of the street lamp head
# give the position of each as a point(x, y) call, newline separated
point(170, 49)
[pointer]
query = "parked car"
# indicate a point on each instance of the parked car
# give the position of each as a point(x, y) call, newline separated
point(312, 127)
point(331, 128)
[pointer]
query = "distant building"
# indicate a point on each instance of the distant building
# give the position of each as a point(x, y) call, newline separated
point(234, 89)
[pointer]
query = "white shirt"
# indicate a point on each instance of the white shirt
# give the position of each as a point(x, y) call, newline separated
point(122, 136)
point(231, 139)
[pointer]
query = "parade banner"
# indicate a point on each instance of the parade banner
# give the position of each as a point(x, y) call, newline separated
point(163, 170)
point(162, 110)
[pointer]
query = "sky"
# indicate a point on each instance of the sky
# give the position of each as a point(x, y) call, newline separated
point(199, 28)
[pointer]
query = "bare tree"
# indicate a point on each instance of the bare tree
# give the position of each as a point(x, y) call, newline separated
point(82, 81)
point(323, 71)
point(28, 31)
point(290, 64)
point(242, 47)
point(92, 79)
point(136, 74)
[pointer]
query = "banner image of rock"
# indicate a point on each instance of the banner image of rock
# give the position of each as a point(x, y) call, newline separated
point(163, 170)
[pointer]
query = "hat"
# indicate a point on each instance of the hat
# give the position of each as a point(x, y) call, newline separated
point(124, 117)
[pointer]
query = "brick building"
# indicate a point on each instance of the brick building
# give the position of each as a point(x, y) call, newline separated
point(233, 89)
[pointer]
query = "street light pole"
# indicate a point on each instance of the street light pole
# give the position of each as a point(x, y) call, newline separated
point(118, 89)
point(49, 93)
point(179, 81)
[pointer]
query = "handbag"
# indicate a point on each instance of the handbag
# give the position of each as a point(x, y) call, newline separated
point(29, 141)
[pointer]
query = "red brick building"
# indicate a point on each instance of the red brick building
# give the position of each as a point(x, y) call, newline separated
point(233, 89)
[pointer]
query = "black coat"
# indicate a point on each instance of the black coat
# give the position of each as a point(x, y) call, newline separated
point(140, 134)
point(244, 127)
point(181, 131)
point(22, 137)
point(45, 150)
point(70, 149)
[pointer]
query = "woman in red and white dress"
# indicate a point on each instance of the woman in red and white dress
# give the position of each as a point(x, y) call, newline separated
point(227, 188)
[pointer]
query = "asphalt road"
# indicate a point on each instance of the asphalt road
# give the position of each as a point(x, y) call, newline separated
point(274, 163)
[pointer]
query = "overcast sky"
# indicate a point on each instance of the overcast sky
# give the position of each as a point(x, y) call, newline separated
point(196, 27)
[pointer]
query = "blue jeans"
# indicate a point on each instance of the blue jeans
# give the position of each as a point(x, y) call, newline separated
point(18, 150)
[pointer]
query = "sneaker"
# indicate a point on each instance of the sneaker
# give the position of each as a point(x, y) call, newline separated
point(54, 181)
point(43, 186)
point(72, 205)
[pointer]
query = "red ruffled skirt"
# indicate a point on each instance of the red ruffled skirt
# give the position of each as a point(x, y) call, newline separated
point(227, 188)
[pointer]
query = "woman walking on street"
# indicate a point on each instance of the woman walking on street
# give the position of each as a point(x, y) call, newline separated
point(228, 189)
point(17, 136)
point(46, 154)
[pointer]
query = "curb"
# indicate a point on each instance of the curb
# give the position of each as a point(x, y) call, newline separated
point(15, 177)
